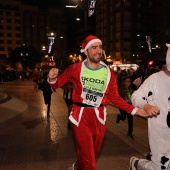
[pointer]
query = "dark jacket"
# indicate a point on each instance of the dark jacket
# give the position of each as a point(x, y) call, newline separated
point(46, 89)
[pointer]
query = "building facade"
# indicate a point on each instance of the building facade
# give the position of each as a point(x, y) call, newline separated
point(125, 25)
point(29, 25)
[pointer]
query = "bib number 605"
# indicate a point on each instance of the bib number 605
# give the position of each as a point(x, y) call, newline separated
point(91, 97)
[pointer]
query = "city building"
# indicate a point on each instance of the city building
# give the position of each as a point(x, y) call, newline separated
point(129, 28)
point(27, 24)
point(79, 24)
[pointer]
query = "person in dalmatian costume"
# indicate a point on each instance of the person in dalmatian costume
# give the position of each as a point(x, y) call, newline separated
point(94, 87)
point(154, 93)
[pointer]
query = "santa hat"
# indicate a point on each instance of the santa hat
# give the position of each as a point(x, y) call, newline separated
point(88, 41)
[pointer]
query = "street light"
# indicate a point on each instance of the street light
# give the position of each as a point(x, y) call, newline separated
point(43, 48)
point(85, 15)
point(75, 58)
point(61, 46)
point(72, 6)
point(51, 36)
point(109, 60)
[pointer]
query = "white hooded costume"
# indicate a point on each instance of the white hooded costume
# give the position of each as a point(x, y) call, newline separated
point(156, 91)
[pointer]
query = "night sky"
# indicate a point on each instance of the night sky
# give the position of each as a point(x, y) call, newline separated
point(70, 13)
point(57, 3)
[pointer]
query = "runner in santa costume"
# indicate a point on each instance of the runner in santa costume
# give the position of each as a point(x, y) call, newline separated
point(94, 86)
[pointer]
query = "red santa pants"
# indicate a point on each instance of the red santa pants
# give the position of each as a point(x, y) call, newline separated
point(88, 137)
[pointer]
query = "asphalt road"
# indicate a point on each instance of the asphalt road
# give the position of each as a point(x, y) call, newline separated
point(34, 142)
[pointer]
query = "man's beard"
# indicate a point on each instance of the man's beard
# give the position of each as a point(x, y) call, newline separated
point(93, 60)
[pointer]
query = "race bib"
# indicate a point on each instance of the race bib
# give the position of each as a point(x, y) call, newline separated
point(91, 97)
point(94, 85)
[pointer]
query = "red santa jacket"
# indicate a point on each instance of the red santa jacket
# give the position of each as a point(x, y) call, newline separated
point(111, 94)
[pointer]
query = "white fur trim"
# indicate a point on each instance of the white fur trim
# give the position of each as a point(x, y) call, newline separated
point(134, 111)
point(80, 114)
point(51, 82)
point(102, 121)
point(89, 44)
point(71, 118)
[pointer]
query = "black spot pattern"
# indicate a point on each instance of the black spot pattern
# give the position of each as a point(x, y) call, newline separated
point(168, 116)
point(146, 98)
point(163, 161)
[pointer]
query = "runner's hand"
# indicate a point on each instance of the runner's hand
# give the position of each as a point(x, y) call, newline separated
point(151, 110)
point(53, 73)
point(144, 113)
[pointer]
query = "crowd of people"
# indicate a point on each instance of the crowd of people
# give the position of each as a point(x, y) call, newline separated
point(9, 75)
point(89, 86)
point(129, 81)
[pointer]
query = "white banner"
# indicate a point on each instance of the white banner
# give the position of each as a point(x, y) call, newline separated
point(149, 41)
point(91, 7)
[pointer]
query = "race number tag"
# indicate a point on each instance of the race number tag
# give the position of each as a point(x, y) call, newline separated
point(91, 97)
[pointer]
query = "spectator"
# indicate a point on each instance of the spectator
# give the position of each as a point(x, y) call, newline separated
point(47, 91)
point(125, 92)
point(35, 77)
point(67, 95)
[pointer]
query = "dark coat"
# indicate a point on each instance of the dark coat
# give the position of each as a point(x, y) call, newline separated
point(46, 89)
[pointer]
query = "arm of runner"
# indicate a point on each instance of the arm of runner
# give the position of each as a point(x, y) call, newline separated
point(148, 111)
point(53, 73)
point(151, 110)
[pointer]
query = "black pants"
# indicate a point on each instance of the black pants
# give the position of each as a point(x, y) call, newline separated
point(123, 115)
point(47, 100)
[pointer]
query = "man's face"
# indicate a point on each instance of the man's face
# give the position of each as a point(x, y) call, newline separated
point(94, 52)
